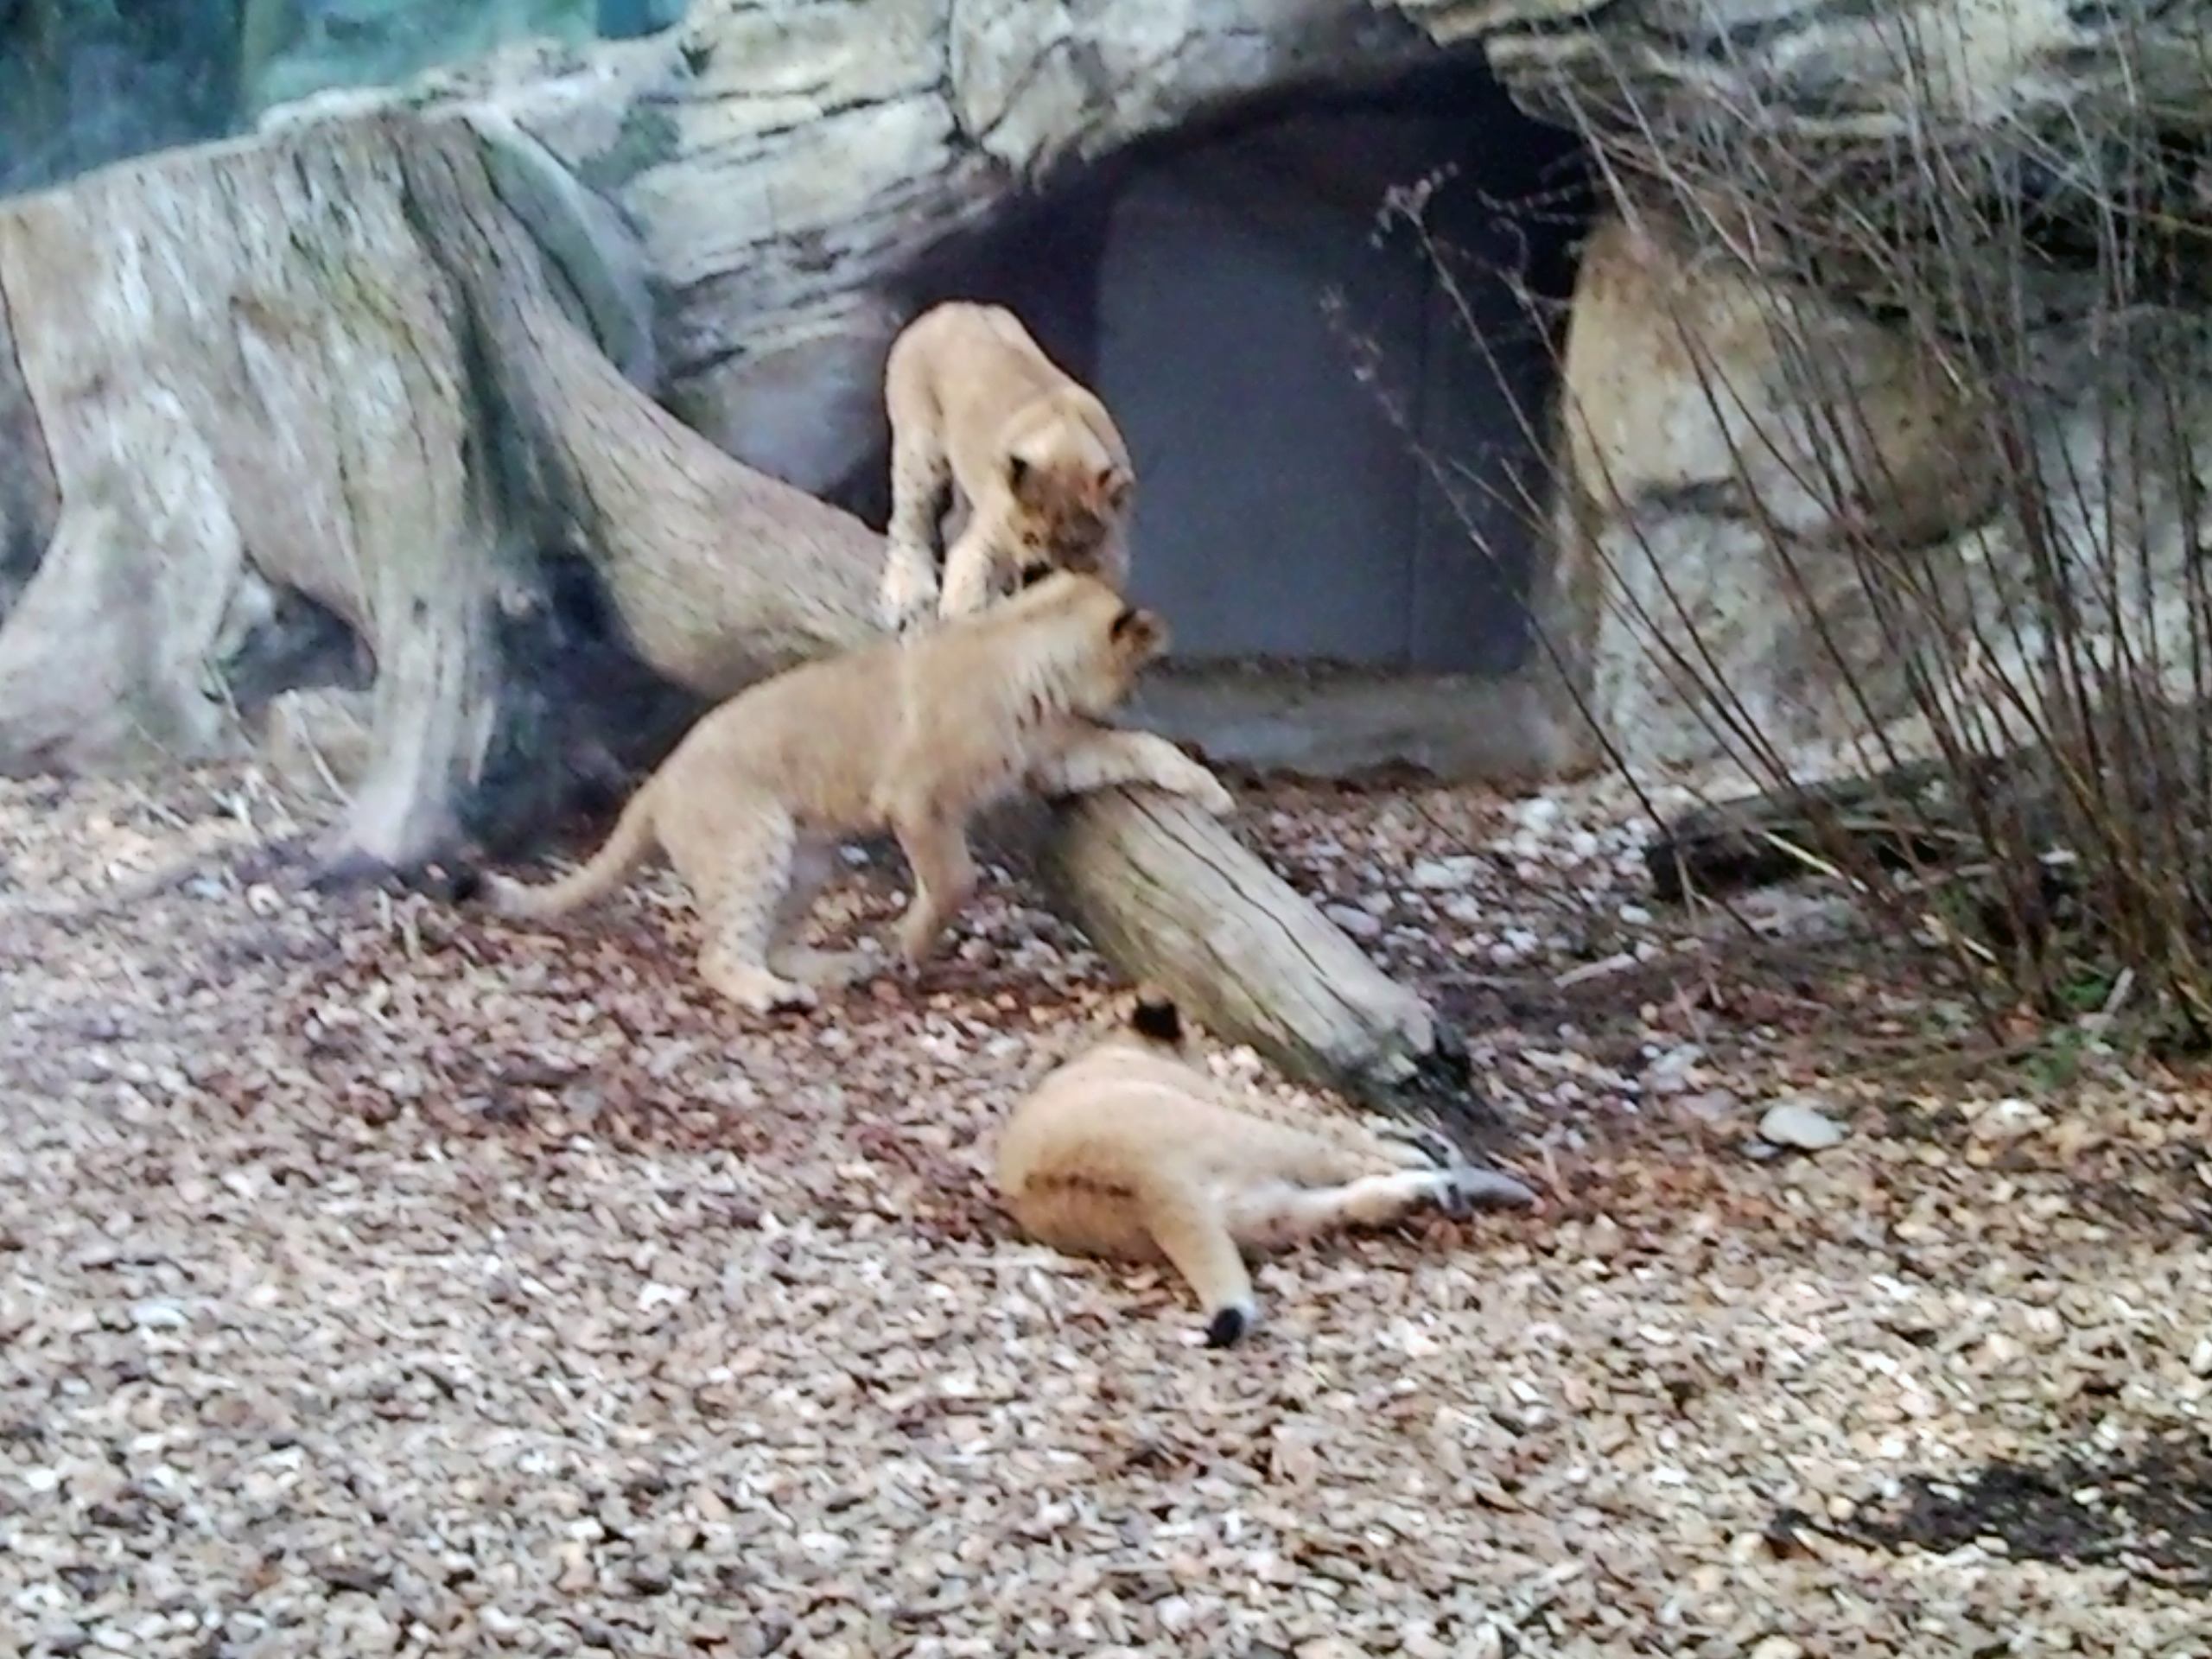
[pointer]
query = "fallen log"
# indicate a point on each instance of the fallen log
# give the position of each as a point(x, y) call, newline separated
point(1166, 893)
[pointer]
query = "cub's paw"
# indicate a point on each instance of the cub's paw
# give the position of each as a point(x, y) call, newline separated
point(918, 944)
point(1183, 776)
point(1439, 1153)
point(757, 989)
point(906, 599)
point(1211, 794)
point(1466, 1190)
point(771, 996)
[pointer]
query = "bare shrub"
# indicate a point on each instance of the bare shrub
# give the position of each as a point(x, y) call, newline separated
point(2008, 617)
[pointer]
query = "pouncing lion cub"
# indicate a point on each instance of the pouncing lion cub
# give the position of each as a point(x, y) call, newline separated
point(1130, 1152)
point(914, 736)
point(974, 401)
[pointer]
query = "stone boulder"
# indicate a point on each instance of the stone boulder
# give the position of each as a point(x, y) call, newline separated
point(1810, 488)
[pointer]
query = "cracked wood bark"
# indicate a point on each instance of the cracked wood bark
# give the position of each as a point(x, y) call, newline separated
point(1168, 893)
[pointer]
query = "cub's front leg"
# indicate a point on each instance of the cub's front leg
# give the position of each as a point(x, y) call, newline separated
point(944, 871)
point(974, 569)
point(921, 479)
point(1104, 756)
point(907, 593)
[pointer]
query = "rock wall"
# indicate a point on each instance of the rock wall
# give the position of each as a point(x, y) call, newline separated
point(787, 164)
point(291, 48)
point(1727, 436)
point(1778, 486)
point(85, 82)
point(1728, 448)
point(1859, 74)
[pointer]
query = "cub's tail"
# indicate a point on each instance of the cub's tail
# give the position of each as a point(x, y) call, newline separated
point(623, 850)
point(1190, 1232)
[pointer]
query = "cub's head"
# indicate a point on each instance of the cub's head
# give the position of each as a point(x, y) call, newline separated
point(1066, 507)
point(1135, 640)
point(1097, 643)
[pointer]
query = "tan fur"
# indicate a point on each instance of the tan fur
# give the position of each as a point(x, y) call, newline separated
point(1045, 476)
point(1130, 1152)
point(912, 736)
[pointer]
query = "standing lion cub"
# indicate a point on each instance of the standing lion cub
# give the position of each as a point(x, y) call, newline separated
point(974, 401)
point(914, 736)
point(1130, 1152)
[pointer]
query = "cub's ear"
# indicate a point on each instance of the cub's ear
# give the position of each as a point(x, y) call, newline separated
point(1111, 489)
point(1140, 633)
point(1018, 475)
point(455, 883)
point(1033, 573)
point(1154, 1017)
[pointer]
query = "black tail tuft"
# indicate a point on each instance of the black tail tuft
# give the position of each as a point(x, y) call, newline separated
point(1227, 1328)
point(1155, 1017)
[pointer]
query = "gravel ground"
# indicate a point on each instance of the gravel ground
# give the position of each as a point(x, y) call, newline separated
point(383, 1280)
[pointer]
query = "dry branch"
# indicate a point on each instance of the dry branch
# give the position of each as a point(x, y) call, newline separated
point(2035, 799)
point(1908, 816)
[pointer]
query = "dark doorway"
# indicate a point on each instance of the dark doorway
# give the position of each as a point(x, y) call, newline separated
point(1221, 288)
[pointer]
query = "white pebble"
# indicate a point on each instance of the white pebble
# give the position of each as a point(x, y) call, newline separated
point(1801, 1124)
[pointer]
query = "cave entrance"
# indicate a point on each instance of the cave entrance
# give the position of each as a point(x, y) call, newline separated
point(1306, 555)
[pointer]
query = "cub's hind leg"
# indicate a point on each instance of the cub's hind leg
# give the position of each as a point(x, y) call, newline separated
point(1273, 1214)
point(742, 895)
point(812, 862)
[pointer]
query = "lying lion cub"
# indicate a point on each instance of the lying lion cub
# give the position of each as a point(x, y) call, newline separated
point(1129, 1151)
point(912, 735)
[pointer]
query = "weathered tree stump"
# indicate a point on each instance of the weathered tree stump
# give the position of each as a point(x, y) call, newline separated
point(335, 362)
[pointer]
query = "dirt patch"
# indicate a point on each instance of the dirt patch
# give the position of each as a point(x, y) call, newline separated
point(2149, 1514)
point(381, 1276)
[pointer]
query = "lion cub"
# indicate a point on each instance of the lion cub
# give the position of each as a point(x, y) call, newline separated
point(974, 401)
point(1129, 1151)
point(914, 736)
